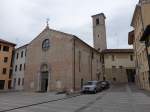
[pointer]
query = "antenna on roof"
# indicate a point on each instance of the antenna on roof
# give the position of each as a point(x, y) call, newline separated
point(47, 22)
point(17, 41)
point(117, 40)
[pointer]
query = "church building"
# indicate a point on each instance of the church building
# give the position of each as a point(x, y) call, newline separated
point(58, 61)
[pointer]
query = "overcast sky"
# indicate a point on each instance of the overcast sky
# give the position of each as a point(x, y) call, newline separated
point(23, 20)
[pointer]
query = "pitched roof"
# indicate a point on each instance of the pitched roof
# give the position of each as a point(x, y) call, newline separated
point(99, 15)
point(75, 37)
point(22, 46)
point(137, 8)
point(67, 34)
point(49, 29)
point(117, 51)
point(6, 42)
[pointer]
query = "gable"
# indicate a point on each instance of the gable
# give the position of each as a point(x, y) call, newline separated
point(48, 33)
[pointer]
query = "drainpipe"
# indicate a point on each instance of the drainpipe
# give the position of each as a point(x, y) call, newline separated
point(74, 64)
point(103, 65)
point(91, 63)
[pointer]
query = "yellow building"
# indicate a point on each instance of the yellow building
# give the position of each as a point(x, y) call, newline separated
point(6, 50)
point(119, 65)
point(140, 20)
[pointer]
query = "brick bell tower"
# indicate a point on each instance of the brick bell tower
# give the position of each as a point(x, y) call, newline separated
point(99, 32)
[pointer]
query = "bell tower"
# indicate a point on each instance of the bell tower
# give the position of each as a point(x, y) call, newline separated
point(99, 32)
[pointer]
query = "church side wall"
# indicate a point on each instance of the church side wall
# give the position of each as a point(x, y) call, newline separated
point(86, 65)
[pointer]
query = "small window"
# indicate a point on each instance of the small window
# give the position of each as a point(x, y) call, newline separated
point(22, 81)
point(104, 78)
point(6, 48)
point(89, 63)
point(113, 58)
point(4, 70)
point(120, 67)
point(19, 81)
point(100, 59)
point(17, 56)
point(97, 62)
point(15, 68)
point(24, 66)
point(79, 61)
point(92, 55)
point(97, 21)
point(45, 44)
point(149, 80)
point(25, 52)
point(22, 54)
point(114, 79)
point(113, 67)
point(20, 67)
point(5, 59)
point(10, 73)
point(14, 83)
point(131, 57)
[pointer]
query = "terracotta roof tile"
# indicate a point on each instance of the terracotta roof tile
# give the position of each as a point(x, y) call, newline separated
point(6, 42)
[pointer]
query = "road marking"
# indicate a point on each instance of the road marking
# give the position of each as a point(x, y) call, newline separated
point(39, 103)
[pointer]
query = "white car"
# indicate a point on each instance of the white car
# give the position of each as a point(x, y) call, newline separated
point(91, 86)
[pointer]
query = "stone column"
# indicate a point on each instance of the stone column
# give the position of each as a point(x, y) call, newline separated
point(49, 80)
point(39, 81)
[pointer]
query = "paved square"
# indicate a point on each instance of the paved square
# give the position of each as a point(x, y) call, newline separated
point(124, 98)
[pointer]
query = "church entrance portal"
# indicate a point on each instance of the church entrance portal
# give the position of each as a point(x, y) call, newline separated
point(44, 81)
point(44, 78)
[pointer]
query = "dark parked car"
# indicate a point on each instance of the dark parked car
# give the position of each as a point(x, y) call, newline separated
point(92, 87)
point(104, 84)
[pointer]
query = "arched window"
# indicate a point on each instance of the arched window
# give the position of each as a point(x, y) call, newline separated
point(19, 81)
point(45, 44)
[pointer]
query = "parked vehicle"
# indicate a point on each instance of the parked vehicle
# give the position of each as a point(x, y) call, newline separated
point(92, 87)
point(104, 84)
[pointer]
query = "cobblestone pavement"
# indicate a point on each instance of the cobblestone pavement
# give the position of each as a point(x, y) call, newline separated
point(122, 98)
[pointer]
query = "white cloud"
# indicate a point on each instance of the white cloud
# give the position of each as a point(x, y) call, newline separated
point(22, 20)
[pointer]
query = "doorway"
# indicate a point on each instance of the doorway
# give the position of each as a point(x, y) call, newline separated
point(130, 75)
point(9, 84)
point(44, 81)
point(2, 83)
point(82, 80)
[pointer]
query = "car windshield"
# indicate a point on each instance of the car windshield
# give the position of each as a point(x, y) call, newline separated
point(90, 83)
point(103, 82)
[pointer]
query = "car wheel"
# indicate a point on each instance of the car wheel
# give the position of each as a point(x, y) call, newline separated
point(95, 91)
